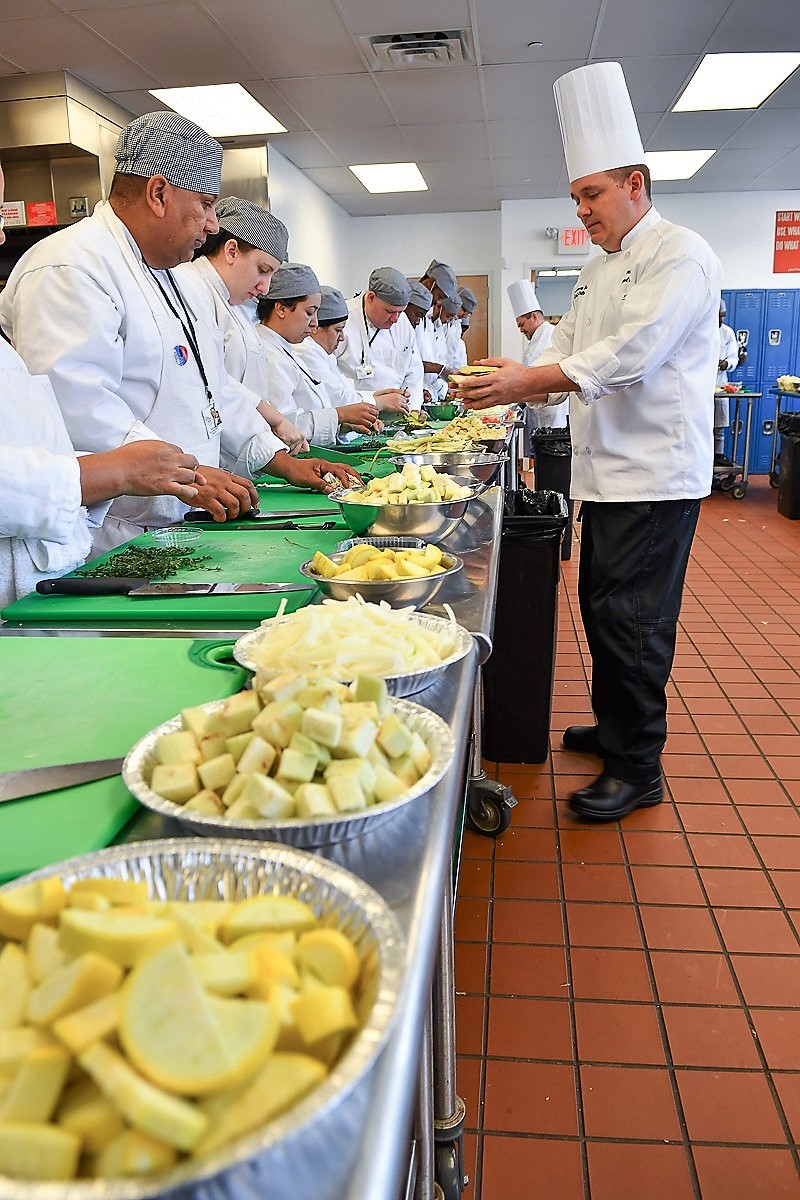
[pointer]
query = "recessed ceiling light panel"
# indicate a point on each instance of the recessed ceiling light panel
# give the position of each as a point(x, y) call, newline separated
point(390, 177)
point(735, 81)
point(676, 164)
point(223, 110)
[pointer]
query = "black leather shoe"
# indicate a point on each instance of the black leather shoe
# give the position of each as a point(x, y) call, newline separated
point(582, 739)
point(609, 799)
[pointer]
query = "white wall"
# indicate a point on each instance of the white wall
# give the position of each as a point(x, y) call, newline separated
point(740, 227)
point(319, 230)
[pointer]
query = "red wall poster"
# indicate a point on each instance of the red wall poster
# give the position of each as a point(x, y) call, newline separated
point(787, 242)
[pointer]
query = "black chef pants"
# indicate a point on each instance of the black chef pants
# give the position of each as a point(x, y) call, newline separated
point(630, 581)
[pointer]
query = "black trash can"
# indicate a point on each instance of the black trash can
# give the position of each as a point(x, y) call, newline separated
point(789, 473)
point(518, 677)
point(552, 455)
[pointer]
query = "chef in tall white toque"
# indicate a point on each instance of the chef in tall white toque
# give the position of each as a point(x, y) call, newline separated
point(637, 354)
point(538, 335)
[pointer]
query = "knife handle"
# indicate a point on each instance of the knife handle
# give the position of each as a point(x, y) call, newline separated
point(74, 585)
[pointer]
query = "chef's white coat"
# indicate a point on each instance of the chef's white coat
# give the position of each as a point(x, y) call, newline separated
point(82, 308)
point(456, 347)
point(323, 366)
point(44, 528)
point(296, 391)
point(640, 341)
point(245, 358)
point(391, 361)
point(430, 349)
point(729, 351)
point(536, 416)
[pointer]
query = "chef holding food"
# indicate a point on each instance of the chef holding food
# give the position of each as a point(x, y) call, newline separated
point(637, 353)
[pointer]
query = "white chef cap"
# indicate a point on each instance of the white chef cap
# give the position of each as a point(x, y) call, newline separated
point(390, 285)
point(522, 295)
point(333, 306)
point(443, 276)
point(469, 300)
point(293, 280)
point(164, 143)
point(254, 225)
point(723, 308)
point(420, 296)
point(598, 126)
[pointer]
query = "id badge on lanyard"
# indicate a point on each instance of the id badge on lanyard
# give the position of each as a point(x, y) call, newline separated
point(211, 419)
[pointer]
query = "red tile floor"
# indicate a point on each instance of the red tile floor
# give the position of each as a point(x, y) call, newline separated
point(628, 999)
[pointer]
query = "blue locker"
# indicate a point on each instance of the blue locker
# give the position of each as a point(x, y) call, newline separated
point(780, 318)
point(761, 432)
point(746, 317)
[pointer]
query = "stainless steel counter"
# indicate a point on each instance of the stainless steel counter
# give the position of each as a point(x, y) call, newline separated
point(407, 860)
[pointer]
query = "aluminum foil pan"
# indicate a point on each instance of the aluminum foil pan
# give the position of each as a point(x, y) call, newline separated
point(290, 1156)
point(407, 684)
point(297, 831)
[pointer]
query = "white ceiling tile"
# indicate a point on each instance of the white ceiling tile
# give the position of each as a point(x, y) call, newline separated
point(509, 139)
point(695, 130)
point(532, 169)
point(137, 102)
point(778, 127)
point(389, 205)
point(184, 48)
point(784, 174)
point(24, 8)
point(787, 95)
point(757, 27)
point(337, 101)
point(524, 91)
point(734, 166)
point(57, 43)
point(449, 94)
point(303, 149)
point(633, 28)
point(412, 16)
point(450, 174)
point(381, 144)
point(565, 30)
point(467, 199)
point(654, 83)
point(529, 191)
point(428, 143)
point(336, 181)
point(9, 68)
point(282, 49)
point(272, 99)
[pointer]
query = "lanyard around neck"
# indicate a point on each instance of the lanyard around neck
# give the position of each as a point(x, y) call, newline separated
point(370, 340)
point(316, 382)
point(186, 325)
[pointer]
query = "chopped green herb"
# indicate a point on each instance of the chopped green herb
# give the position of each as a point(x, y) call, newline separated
point(150, 562)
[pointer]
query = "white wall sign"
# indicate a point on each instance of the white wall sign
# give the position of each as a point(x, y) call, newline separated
point(13, 213)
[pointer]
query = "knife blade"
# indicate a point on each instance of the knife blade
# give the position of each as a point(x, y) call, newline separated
point(199, 514)
point(110, 585)
point(216, 589)
point(16, 785)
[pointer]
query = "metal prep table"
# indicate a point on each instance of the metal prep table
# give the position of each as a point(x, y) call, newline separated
point(407, 860)
point(735, 478)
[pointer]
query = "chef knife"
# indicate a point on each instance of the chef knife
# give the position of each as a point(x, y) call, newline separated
point(199, 514)
point(15, 785)
point(110, 585)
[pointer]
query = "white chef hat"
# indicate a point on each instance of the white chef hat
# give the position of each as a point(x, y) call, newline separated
point(723, 308)
point(598, 126)
point(165, 143)
point(253, 224)
point(522, 295)
point(292, 281)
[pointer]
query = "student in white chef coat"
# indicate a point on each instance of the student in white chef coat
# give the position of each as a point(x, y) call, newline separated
point(440, 280)
point(288, 316)
point(96, 308)
point(538, 335)
point(50, 497)
point(637, 352)
point(232, 266)
point(379, 351)
point(728, 361)
point(317, 353)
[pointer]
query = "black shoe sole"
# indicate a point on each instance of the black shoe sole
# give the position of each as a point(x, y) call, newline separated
point(590, 814)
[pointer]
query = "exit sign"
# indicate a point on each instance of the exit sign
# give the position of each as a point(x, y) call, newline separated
point(573, 241)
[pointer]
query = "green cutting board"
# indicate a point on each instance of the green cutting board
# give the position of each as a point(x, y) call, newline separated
point(248, 556)
point(281, 497)
point(68, 699)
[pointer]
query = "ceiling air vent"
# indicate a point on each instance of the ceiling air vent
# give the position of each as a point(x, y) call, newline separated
point(400, 51)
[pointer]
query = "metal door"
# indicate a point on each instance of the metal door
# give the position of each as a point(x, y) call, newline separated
point(780, 315)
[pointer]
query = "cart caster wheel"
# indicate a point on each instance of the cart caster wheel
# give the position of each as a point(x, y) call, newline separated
point(489, 806)
point(727, 482)
point(448, 1170)
point(773, 479)
point(739, 491)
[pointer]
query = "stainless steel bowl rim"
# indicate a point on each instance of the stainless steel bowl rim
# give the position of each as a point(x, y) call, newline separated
point(320, 831)
point(330, 879)
point(456, 564)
